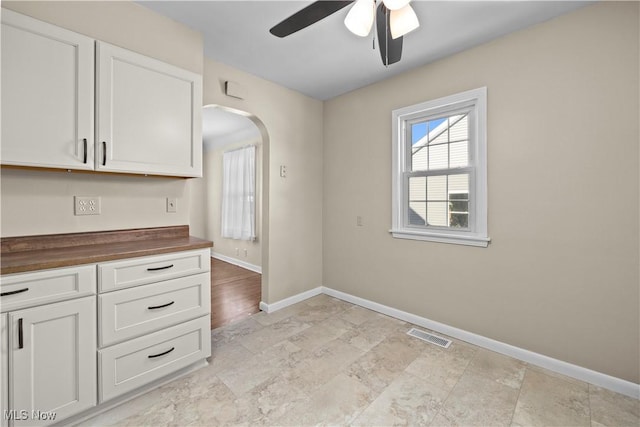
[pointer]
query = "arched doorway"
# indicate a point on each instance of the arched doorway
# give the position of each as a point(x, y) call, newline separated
point(236, 292)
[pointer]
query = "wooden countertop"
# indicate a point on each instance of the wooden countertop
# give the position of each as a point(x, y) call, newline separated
point(30, 253)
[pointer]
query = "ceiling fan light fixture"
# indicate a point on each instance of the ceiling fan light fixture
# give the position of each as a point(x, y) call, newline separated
point(359, 20)
point(403, 21)
point(395, 4)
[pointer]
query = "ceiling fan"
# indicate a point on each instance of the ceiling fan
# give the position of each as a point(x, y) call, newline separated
point(393, 18)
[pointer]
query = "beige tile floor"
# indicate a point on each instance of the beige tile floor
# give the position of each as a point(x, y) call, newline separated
point(327, 362)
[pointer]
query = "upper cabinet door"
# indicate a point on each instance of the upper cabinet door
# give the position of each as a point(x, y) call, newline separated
point(148, 115)
point(47, 95)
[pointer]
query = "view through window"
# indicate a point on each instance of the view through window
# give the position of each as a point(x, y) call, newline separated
point(440, 146)
point(439, 170)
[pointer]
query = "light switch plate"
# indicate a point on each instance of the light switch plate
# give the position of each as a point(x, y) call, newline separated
point(172, 205)
point(87, 205)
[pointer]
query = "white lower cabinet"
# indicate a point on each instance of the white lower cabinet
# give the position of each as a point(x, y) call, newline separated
point(129, 365)
point(133, 272)
point(42, 287)
point(52, 371)
point(154, 318)
point(49, 339)
point(136, 311)
point(4, 362)
point(64, 350)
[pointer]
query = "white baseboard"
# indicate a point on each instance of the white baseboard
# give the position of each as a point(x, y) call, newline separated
point(239, 263)
point(270, 308)
point(574, 371)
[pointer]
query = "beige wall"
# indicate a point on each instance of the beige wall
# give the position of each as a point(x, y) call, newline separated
point(213, 199)
point(35, 202)
point(291, 207)
point(561, 275)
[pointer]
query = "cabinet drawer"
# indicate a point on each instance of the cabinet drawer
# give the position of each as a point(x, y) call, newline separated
point(127, 366)
point(41, 287)
point(132, 312)
point(139, 271)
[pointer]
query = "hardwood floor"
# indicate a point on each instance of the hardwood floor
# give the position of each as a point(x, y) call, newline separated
point(235, 293)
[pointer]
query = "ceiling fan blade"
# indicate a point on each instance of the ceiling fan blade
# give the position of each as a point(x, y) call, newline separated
point(311, 14)
point(390, 48)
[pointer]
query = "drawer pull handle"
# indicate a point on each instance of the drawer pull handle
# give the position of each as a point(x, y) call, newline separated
point(19, 291)
point(104, 153)
point(160, 268)
point(20, 334)
point(155, 307)
point(151, 356)
point(84, 141)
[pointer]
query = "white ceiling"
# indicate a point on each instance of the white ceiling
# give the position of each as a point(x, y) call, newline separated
point(221, 128)
point(325, 59)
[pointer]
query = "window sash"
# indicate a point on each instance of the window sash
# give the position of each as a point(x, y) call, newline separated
point(468, 109)
point(472, 103)
point(444, 113)
point(441, 172)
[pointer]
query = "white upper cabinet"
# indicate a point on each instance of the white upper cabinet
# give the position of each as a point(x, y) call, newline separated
point(148, 115)
point(47, 95)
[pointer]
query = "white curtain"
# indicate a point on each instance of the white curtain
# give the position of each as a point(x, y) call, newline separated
point(238, 193)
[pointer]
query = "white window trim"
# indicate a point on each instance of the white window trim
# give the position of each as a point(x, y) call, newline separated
point(477, 235)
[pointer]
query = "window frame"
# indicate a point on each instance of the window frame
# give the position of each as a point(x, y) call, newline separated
point(475, 103)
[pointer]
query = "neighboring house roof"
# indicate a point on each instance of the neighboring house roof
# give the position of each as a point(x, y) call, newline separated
point(436, 132)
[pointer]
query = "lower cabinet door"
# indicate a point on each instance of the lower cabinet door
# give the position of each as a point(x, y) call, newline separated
point(52, 361)
point(4, 375)
point(137, 362)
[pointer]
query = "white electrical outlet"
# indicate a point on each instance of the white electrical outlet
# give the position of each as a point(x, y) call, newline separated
point(172, 205)
point(86, 205)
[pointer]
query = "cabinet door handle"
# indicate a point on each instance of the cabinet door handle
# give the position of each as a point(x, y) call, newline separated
point(104, 153)
point(19, 291)
point(155, 307)
point(20, 334)
point(84, 140)
point(160, 268)
point(151, 356)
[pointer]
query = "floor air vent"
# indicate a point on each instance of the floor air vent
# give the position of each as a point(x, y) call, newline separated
point(433, 339)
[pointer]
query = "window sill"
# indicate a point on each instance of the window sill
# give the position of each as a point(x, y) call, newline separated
point(441, 238)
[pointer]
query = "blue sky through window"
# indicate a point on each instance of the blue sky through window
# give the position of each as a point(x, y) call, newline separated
point(419, 130)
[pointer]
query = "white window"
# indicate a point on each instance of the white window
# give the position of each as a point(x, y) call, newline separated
point(238, 193)
point(440, 170)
